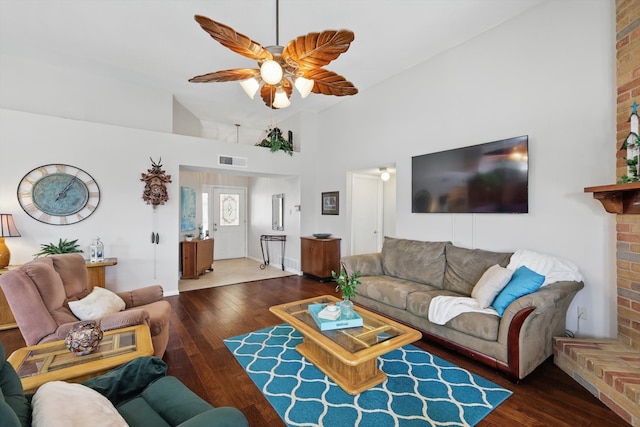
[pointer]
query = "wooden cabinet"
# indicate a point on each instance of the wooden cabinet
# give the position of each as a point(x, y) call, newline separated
point(320, 256)
point(197, 257)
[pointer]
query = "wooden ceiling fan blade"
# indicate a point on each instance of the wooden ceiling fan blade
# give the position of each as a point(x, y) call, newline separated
point(316, 50)
point(329, 83)
point(230, 38)
point(226, 75)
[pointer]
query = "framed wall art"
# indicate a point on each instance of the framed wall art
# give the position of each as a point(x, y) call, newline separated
point(187, 209)
point(330, 203)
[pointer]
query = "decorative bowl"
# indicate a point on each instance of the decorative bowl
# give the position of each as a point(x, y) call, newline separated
point(321, 235)
point(84, 337)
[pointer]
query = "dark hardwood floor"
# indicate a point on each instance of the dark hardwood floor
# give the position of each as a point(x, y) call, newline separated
point(197, 355)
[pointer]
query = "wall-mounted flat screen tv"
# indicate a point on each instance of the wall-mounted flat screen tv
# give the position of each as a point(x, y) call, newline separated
point(485, 178)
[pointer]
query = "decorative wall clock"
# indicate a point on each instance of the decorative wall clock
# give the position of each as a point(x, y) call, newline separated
point(156, 180)
point(58, 194)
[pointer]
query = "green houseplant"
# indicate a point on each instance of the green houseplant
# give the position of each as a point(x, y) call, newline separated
point(63, 247)
point(275, 141)
point(347, 284)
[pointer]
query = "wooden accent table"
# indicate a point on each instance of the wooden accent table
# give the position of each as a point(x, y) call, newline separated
point(347, 356)
point(95, 272)
point(319, 257)
point(38, 364)
point(197, 257)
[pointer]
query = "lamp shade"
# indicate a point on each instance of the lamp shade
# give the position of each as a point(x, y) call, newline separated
point(7, 226)
point(271, 72)
point(304, 86)
point(7, 229)
point(250, 86)
point(281, 100)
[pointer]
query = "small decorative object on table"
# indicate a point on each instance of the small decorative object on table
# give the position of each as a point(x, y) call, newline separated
point(321, 235)
point(84, 337)
point(97, 251)
point(347, 284)
point(188, 237)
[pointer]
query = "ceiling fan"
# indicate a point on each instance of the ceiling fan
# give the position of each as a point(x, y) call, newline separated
point(300, 63)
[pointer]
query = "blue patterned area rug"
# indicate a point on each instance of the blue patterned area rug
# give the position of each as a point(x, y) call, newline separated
point(420, 390)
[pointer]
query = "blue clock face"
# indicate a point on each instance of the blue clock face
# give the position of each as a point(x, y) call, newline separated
point(58, 194)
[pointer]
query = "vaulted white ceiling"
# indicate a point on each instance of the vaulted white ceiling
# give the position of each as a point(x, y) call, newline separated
point(158, 43)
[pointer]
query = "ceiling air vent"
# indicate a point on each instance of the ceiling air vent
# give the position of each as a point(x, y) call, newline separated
point(240, 162)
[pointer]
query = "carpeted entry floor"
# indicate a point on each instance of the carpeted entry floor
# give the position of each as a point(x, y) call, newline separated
point(232, 271)
point(420, 390)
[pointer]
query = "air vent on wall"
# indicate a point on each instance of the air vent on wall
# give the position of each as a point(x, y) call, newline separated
point(240, 162)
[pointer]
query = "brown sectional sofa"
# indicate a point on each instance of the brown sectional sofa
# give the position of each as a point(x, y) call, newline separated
point(401, 280)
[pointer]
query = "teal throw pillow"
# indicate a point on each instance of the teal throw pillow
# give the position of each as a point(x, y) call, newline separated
point(523, 282)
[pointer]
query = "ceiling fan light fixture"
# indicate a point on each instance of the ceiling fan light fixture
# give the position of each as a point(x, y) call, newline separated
point(271, 72)
point(281, 99)
point(250, 86)
point(304, 86)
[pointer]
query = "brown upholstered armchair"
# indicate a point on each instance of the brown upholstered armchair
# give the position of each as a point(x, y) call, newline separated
point(39, 292)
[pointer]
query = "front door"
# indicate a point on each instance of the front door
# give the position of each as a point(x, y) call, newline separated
point(229, 224)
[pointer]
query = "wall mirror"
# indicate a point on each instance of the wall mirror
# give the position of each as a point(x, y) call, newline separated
point(277, 212)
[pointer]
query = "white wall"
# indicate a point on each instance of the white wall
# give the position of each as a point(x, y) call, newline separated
point(548, 73)
point(115, 157)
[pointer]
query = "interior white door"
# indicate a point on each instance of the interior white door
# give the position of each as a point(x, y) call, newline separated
point(229, 207)
point(366, 214)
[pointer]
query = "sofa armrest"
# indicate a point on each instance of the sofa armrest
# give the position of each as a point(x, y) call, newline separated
point(225, 416)
point(124, 319)
point(142, 296)
point(548, 319)
point(367, 264)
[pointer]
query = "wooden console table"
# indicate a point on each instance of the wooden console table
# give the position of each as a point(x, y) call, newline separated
point(197, 257)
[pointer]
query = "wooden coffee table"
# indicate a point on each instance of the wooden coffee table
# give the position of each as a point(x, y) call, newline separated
point(38, 364)
point(347, 356)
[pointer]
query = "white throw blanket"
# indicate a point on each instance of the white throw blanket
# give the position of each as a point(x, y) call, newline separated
point(444, 308)
point(552, 268)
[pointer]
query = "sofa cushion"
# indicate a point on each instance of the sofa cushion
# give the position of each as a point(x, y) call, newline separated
point(480, 325)
point(466, 266)
point(422, 262)
point(98, 303)
point(389, 290)
point(523, 282)
point(47, 281)
point(490, 284)
point(418, 302)
point(63, 404)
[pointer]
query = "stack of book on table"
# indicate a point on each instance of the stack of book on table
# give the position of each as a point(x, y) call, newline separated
point(328, 319)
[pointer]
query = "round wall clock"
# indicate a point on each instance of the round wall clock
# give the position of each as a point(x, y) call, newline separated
point(58, 194)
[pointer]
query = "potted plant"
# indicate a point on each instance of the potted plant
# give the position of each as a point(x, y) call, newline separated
point(347, 284)
point(275, 141)
point(188, 237)
point(63, 247)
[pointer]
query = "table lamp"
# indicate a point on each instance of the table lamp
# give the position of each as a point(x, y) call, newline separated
point(7, 229)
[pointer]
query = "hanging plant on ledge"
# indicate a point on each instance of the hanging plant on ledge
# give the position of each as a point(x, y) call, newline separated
point(275, 141)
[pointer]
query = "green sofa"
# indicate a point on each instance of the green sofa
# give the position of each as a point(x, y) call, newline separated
point(140, 391)
point(401, 281)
